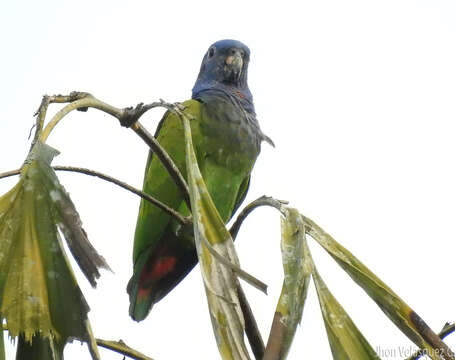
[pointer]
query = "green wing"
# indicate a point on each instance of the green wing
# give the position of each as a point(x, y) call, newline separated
point(152, 221)
point(154, 227)
point(164, 252)
point(243, 190)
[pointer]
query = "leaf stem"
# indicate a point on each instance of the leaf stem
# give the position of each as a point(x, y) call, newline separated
point(251, 327)
point(164, 158)
point(175, 214)
point(262, 201)
point(121, 348)
point(117, 346)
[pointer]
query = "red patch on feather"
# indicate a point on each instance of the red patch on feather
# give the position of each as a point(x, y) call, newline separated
point(155, 271)
point(163, 266)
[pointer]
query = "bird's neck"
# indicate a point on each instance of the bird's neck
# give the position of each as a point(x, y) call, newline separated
point(236, 95)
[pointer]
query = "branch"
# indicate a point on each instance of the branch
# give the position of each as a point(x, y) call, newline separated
point(175, 214)
point(446, 330)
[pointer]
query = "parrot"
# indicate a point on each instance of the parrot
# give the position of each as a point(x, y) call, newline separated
point(227, 141)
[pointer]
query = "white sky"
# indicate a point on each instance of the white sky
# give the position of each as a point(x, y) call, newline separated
point(357, 95)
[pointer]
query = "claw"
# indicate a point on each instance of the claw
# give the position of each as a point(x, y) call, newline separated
point(180, 106)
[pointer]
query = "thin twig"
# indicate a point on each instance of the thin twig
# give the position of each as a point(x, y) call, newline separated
point(121, 348)
point(262, 201)
point(117, 346)
point(446, 330)
point(40, 117)
point(175, 214)
point(10, 173)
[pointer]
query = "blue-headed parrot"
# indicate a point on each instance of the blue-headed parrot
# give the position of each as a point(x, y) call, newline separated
point(227, 141)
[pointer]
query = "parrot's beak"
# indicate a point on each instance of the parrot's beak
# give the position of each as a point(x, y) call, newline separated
point(233, 66)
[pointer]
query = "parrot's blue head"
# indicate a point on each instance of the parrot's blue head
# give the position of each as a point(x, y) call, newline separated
point(225, 67)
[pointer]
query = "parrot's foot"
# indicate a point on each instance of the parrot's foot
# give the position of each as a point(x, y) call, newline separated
point(131, 115)
point(179, 106)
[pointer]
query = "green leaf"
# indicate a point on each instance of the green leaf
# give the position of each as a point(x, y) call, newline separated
point(39, 296)
point(218, 261)
point(346, 341)
point(389, 302)
point(297, 272)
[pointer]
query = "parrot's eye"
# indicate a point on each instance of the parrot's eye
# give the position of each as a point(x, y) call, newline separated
point(211, 52)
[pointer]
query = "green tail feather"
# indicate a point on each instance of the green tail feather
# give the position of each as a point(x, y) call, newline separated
point(139, 307)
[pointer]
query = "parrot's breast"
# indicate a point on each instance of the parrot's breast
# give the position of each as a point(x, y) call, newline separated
point(229, 135)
